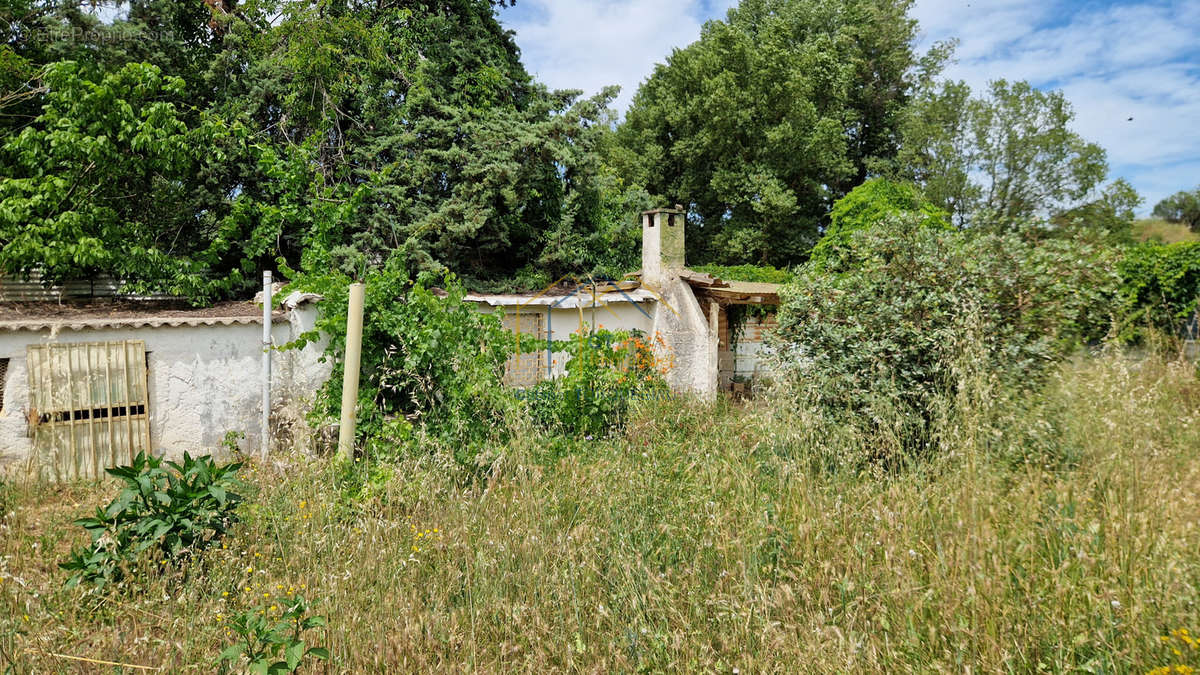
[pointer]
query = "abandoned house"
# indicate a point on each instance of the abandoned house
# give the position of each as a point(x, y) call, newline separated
point(715, 345)
point(85, 386)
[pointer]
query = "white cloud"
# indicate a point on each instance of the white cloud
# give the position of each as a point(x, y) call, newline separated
point(590, 44)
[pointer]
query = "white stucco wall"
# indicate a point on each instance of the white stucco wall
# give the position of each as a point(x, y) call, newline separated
point(203, 381)
point(622, 316)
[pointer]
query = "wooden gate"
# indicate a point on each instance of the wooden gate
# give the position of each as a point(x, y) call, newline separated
point(89, 407)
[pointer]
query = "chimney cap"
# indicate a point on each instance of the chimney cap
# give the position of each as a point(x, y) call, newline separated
point(678, 209)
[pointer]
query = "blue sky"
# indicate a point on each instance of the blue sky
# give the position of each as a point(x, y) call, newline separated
point(1113, 60)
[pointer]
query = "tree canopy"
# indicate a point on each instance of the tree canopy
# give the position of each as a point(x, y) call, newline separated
point(1008, 158)
point(403, 128)
point(1181, 207)
point(186, 145)
point(767, 119)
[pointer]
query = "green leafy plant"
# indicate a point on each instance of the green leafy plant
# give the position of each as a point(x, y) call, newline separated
point(867, 205)
point(431, 364)
point(605, 371)
point(878, 346)
point(1160, 287)
point(271, 637)
point(758, 273)
point(169, 512)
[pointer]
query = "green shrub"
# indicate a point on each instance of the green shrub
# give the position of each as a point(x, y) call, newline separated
point(879, 346)
point(1160, 287)
point(868, 205)
point(163, 513)
point(432, 365)
point(759, 273)
point(606, 370)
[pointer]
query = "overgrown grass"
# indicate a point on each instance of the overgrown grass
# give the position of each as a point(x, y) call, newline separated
point(1157, 229)
point(703, 538)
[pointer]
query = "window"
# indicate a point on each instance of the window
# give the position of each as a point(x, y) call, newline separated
point(89, 406)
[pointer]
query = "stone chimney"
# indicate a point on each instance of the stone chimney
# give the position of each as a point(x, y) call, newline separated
point(662, 245)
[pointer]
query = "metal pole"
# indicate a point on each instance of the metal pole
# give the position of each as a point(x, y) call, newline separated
point(266, 366)
point(354, 330)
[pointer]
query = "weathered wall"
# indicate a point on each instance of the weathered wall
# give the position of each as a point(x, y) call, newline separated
point(203, 380)
point(562, 322)
point(690, 342)
point(748, 363)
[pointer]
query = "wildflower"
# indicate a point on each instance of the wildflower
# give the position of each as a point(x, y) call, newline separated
point(249, 570)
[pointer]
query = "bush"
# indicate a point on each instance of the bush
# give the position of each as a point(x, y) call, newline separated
point(1160, 287)
point(606, 370)
point(168, 513)
point(431, 364)
point(866, 206)
point(758, 273)
point(878, 345)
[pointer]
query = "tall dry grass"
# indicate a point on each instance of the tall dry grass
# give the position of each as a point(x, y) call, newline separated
point(1050, 533)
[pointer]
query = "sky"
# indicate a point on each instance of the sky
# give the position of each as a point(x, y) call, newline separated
point(1113, 60)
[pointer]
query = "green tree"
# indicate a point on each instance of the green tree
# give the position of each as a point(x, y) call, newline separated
point(111, 179)
point(1181, 207)
point(999, 160)
point(773, 114)
point(1110, 214)
point(867, 205)
point(469, 165)
point(417, 113)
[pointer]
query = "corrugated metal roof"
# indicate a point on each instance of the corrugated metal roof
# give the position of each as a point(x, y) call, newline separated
point(16, 289)
point(57, 325)
point(573, 301)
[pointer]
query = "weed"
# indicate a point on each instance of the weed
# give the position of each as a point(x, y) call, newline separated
point(270, 636)
point(168, 513)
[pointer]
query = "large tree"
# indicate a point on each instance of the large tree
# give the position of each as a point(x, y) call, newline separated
point(410, 128)
point(1007, 158)
point(768, 118)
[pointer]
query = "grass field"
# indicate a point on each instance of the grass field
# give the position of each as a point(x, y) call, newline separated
point(1156, 229)
point(1052, 535)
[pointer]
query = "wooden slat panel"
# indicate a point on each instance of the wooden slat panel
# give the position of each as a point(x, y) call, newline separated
point(70, 386)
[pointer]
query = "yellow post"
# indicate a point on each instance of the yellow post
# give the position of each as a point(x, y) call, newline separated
point(354, 329)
